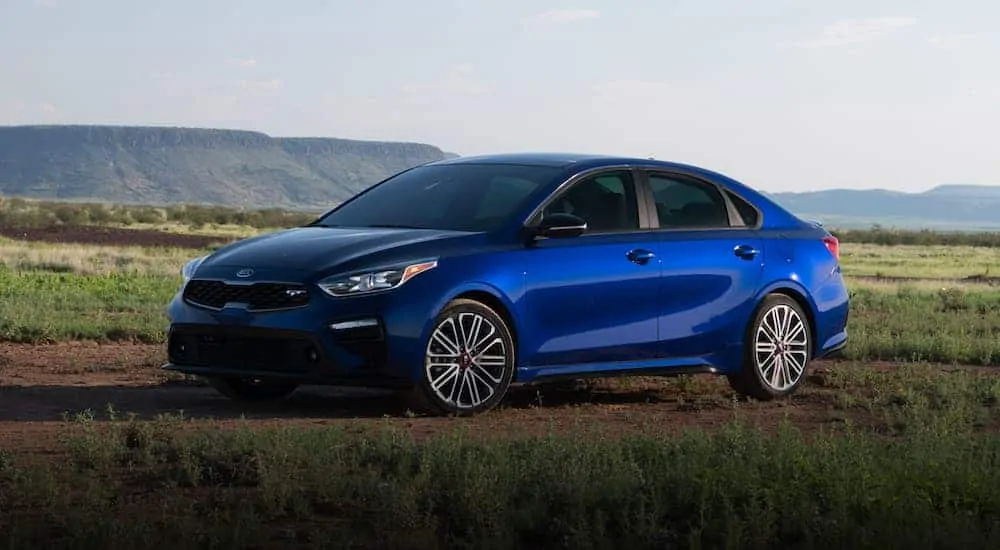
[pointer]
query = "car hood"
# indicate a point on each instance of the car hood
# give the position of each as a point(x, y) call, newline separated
point(317, 249)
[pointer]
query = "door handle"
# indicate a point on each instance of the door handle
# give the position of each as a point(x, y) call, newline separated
point(640, 256)
point(745, 251)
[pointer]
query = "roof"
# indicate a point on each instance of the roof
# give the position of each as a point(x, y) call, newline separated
point(552, 159)
point(577, 162)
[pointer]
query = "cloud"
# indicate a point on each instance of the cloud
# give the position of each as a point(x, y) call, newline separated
point(555, 17)
point(267, 85)
point(947, 40)
point(848, 32)
point(12, 112)
point(458, 80)
point(245, 63)
point(32, 112)
point(47, 4)
point(631, 92)
point(162, 75)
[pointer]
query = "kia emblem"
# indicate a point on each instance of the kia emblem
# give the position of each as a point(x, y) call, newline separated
point(244, 273)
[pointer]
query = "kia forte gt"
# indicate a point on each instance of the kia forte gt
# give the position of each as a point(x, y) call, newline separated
point(453, 280)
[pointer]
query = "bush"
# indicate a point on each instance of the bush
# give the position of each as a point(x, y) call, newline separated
point(738, 487)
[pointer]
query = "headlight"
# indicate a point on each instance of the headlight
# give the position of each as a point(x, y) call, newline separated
point(373, 281)
point(188, 270)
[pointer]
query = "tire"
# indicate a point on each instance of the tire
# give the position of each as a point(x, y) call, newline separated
point(251, 390)
point(469, 361)
point(776, 355)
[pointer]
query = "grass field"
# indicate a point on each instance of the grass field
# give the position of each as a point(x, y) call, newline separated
point(53, 292)
point(892, 446)
point(903, 467)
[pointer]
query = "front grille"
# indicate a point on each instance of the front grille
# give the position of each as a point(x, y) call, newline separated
point(257, 296)
point(243, 351)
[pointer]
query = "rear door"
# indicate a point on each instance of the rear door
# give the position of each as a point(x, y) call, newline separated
point(710, 261)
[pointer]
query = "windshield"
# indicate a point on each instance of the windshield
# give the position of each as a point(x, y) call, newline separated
point(458, 197)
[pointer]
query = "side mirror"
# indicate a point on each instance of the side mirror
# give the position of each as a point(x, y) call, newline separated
point(561, 226)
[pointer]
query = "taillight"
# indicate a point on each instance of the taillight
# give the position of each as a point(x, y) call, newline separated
point(833, 245)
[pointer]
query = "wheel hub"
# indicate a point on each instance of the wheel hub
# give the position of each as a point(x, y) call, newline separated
point(464, 360)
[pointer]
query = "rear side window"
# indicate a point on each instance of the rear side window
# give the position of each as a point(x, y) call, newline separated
point(746, 211)
point(682, 202)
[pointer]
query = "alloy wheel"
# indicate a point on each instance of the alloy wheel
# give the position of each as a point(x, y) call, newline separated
point(467, 361)
point(781, 347)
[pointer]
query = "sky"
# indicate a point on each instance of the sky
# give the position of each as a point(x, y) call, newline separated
point(785, 95)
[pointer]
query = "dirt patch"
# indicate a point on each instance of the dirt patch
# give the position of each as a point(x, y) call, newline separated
point(73, 364)
point(110, 236)
point(41, 385)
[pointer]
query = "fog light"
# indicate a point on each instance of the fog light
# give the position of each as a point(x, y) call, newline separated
point(357, 330)
point(177, 348)
point(355, 324)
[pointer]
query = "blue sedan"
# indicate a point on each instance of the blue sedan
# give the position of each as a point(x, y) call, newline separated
point(453, 280)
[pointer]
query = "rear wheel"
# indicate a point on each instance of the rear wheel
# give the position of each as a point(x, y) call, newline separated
point(252, 389)
point(468, 361)
point(778, 350)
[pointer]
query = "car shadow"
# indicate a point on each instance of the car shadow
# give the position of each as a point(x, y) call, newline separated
point(530, 396)
point(41, 403)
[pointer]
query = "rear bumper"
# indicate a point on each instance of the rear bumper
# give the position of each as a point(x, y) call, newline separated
point(833, 349)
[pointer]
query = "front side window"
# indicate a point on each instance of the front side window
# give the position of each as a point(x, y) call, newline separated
point(457, 197)
point(605, 201)
point(682, 202)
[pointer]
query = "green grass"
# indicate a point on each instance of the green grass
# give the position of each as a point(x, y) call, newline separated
point(891, 322)
point(906, 470)
point(960, 325)
point(46, 307)
point(23, 256)
point(950, 262)
point(60, 292)
point(937, 261)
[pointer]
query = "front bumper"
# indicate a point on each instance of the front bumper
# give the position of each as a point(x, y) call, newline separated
point(222, 350)
point(365, 340)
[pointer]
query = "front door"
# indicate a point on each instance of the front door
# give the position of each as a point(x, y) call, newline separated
point(592, 298)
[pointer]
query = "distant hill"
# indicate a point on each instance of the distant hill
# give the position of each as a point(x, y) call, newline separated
point(153, 165)
point(162, 165)
point(959, 207)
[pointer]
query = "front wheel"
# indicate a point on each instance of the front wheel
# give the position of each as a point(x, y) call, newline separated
point(468, 361)
point(778, 350)
point(251, 389)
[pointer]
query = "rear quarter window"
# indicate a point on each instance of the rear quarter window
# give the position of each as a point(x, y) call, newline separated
point(747, 212)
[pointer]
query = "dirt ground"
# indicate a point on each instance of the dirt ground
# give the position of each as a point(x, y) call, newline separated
point(40, 384)
point(109, 236)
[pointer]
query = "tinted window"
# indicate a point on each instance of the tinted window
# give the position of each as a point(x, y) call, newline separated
point(746, 211)
point(606, 202)
point(462, 197)
point(681, 202)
